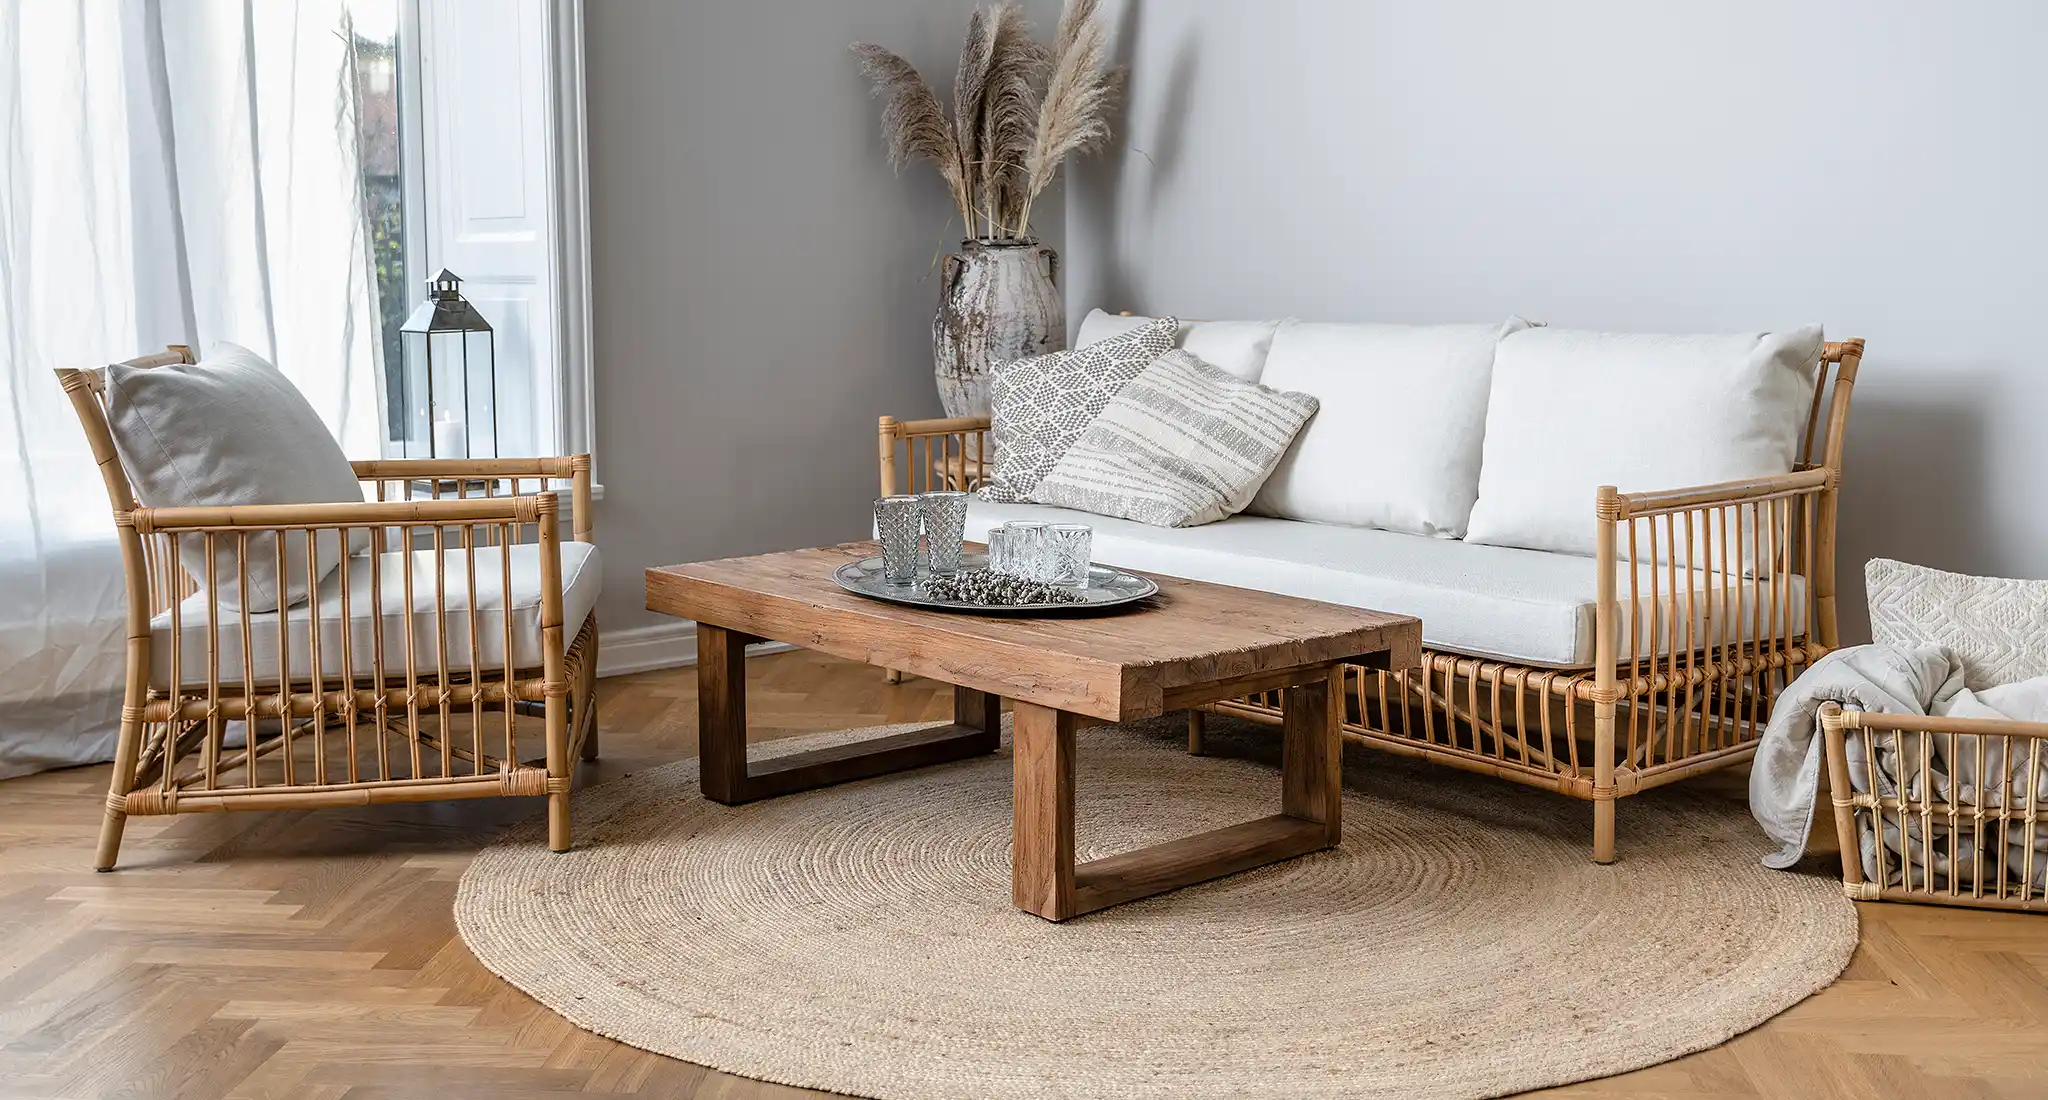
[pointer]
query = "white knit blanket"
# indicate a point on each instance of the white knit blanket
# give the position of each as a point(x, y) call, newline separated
point(1785, 780)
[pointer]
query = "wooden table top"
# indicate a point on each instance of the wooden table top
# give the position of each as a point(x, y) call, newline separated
point(1192, 643)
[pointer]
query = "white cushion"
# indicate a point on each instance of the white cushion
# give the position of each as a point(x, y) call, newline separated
point(582, 580)
point(1397, 443)
point(1525, 606)
point(1996, 626)
point(1183, 444)
point(1572, 411)
point(1235, 346)
point(231, 429)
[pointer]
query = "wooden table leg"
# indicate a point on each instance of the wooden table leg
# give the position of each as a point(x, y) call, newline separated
point(725, 775)
point(1044, 878)
point(1312, 755)
point(1042, 810)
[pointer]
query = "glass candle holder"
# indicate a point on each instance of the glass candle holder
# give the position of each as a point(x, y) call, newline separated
point(945, 527)
point(1068, 546)
point(1027, 548)
point(898, 523)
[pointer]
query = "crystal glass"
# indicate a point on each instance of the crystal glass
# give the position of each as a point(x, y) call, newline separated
point(1068, 546)
point(1001, 549)
point(1026, 556)
point(898, 522)
point(945, 527)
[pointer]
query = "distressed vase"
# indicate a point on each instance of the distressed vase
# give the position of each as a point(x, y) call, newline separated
point(997, 302)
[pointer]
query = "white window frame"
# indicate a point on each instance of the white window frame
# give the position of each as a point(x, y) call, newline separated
point(568, 209)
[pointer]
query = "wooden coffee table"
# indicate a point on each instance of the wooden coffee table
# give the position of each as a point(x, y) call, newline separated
point(1194, 643)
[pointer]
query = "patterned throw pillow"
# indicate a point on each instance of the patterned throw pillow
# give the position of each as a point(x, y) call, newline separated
point(1997, 628)
point(1040, 405)
point(1184, 444)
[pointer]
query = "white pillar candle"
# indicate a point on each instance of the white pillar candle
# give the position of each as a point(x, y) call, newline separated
point(451, 439)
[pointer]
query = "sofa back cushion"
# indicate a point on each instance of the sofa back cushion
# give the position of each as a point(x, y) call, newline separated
point(232, 429)
point(1397, 443)
point(1572, 411)
point(1238, 347)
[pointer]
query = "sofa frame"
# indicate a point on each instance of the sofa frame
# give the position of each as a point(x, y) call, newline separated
point(1676, 706)
point(397, 731)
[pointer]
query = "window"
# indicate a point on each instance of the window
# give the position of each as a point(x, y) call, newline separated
point(469, 125)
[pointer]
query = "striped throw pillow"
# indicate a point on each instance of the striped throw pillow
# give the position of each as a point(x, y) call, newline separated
point(1183, 444)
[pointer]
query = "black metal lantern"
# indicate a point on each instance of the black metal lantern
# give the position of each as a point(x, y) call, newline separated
point(450, 380)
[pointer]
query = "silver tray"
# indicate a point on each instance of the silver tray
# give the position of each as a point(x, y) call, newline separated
point(1107, 587)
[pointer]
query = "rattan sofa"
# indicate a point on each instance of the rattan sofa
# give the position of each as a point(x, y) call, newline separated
point(1676, 685)
point(372, 692)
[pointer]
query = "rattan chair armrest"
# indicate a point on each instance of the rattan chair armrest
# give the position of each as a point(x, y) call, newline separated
point(1740, 491)
point(939, 426)
point(393, 469)
point(247, 517)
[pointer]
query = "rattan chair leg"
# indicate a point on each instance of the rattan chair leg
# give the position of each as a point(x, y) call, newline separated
point(1196, 728)
point(560, 773)
point(127, 752)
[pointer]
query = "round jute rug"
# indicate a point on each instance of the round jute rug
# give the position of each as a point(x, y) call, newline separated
point(860, 939)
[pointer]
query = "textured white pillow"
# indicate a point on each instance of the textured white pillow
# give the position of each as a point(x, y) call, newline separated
point(1183, 444)
point(1572, 411)
point(1396, 445)
point(1997, 627)
point(1238, 347)
point(231, 429)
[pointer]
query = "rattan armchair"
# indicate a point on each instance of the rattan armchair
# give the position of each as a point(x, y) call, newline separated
point(1665, 697)
point(398, 680)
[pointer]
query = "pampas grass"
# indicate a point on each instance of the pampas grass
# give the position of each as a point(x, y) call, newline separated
point(1009, 114)
point(1019, 111)
point(914, 126)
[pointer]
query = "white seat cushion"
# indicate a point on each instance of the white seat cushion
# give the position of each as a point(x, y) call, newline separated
point(1238, 347)
point(1397, 443)
point(1525, 606)
point(582, 579)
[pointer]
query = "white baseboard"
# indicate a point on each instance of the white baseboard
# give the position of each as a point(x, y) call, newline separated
point(671, 644)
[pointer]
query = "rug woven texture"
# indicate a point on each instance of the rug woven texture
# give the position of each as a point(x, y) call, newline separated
point(860, 939)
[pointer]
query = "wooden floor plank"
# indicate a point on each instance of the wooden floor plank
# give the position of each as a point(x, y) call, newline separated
point(313, 955)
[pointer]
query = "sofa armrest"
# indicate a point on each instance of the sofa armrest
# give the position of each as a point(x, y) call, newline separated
point(1723, 493)
point(925, 455)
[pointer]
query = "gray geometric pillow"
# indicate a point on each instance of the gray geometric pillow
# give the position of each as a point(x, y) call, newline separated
point(1184, 444)
point(1996, 627)
point(1039, 405)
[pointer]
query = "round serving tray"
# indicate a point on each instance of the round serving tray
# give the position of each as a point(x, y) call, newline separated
point(1106, 588)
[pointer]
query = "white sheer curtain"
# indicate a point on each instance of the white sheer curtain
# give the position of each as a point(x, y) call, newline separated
point(171, 171)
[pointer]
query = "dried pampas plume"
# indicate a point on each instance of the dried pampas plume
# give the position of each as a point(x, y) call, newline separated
point(1009, 113)
point(1019, 111)
point(913, 123)
point(1074, 118)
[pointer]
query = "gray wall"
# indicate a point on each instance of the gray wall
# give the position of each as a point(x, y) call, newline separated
point(764, 284)
point(1614, 164)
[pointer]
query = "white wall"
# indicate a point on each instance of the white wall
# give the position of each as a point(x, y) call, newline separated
point(1879, 167)
point(764, 283)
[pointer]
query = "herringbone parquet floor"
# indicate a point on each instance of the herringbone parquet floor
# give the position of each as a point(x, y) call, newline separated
point(312, 956)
